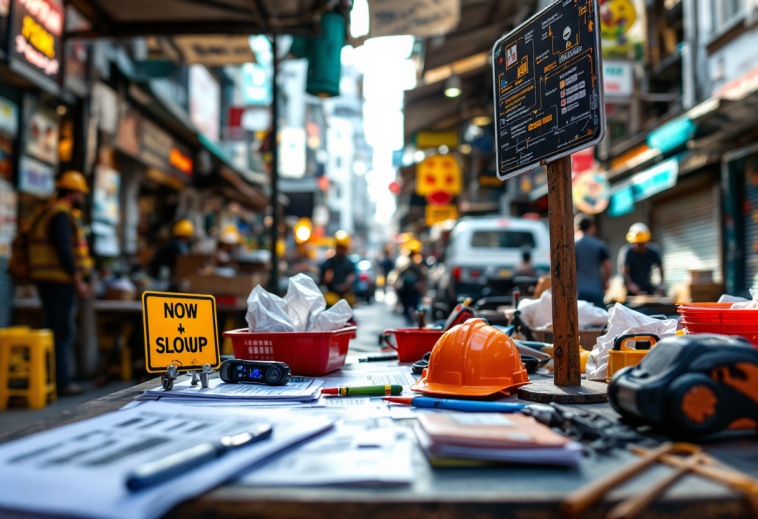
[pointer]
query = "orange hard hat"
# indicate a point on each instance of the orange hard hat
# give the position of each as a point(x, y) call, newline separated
point(473, 359)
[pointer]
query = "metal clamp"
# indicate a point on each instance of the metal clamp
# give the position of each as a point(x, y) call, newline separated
point(167, 379)
point(202, 376)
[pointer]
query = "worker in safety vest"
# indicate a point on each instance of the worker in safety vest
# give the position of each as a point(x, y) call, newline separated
point(59, 261)
point(338, 272)
point(182, 232)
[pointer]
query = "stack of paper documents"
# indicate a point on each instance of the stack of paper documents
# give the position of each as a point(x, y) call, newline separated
point(512, 438)
point(358, 451)
point(81, 469)
point(306, 392)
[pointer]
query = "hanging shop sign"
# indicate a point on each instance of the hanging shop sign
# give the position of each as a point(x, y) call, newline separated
point(549, 97)
point(438, 178)
point(180, 329)
point(41, 131)
point(215, 50)
point(35, 178)
point(205, 102)
point(430, 139)
point(672, 135)
point(643, 185)
point(421, 18)
point(77, 60)
point(143, 140)
point(36, 36)
point(6, 158)
point(440, 213)
point(8, 217)
point(8, 118)
point(105, 195)
point(591, 192)
point(618, 78)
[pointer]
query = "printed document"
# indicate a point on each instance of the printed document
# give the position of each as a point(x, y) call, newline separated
point(80, 469)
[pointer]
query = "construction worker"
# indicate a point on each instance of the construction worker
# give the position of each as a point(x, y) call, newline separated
point(182, 232)
point(228, 245)
point(593, 262)
point(338, 272)
point(411, 281)
point(637, 260)
point(59, 261)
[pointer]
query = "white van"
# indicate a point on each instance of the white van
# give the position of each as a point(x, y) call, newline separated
point(482, 253)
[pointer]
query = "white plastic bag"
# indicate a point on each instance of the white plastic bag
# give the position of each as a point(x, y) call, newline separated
point(333, 319)
point(539, 313)
point(304, 301)
point(267, 312)
point(750, 305)
point(623, 320)
point(301, 310)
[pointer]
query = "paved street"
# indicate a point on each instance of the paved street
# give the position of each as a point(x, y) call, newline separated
point(373, 320)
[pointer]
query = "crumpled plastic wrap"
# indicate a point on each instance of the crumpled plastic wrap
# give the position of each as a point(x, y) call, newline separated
point(538, 313)
point(749, 305)
point(267, 312)
point(303, 309)
point(333, 319)
point(623, 320)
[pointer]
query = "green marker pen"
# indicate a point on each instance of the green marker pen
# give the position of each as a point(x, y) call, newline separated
point(363, 391)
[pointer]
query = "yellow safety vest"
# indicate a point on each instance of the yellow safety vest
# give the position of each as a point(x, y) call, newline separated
point(44, 264)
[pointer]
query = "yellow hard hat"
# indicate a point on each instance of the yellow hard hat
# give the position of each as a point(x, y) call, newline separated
point(230, 235)
point(638, 233)
point(73, 181)
point(184, 229)
point(414, 246)
point(342, 239)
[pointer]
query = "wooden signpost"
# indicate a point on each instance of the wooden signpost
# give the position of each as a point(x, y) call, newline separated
point(548, 105)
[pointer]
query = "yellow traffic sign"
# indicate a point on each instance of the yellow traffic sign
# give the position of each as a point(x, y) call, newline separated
point(180, 329)
point(440, 213)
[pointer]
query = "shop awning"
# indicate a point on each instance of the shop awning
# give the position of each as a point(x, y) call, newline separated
point(427, 108)
point(482, 23)
point(119, 18)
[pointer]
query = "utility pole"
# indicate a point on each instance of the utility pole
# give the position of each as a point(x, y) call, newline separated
point(273, 284)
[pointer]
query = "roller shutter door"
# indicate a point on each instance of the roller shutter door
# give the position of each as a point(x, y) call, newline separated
point(751, 221)
point(688, 231)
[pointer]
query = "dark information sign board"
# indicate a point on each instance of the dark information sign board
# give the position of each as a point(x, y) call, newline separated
point(548, 87)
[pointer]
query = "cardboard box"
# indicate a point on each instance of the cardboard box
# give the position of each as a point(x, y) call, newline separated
point(191, 264)
point(701, 277)
point(238, 286)
point(698, 293)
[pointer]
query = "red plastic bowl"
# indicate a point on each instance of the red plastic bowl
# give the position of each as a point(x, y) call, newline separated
point(721, 319)
point(413, 343)
point(309, 354)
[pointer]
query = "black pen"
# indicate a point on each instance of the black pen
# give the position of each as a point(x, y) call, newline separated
point(159, 471)
point(379, 358)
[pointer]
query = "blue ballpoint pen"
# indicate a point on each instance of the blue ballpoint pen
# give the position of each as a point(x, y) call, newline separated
point(458, 405)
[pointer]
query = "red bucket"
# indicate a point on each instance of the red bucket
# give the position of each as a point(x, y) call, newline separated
point(412, 343)
point(309, 354)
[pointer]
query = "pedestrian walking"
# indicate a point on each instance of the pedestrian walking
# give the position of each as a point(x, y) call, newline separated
point(593, 262)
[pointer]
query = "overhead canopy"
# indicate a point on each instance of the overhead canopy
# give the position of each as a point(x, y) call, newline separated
point(120, 18)
point(483, 22)
point(466, 53)
point(427, 108)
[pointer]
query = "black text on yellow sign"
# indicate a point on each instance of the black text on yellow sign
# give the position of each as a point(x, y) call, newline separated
point(180, 329)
